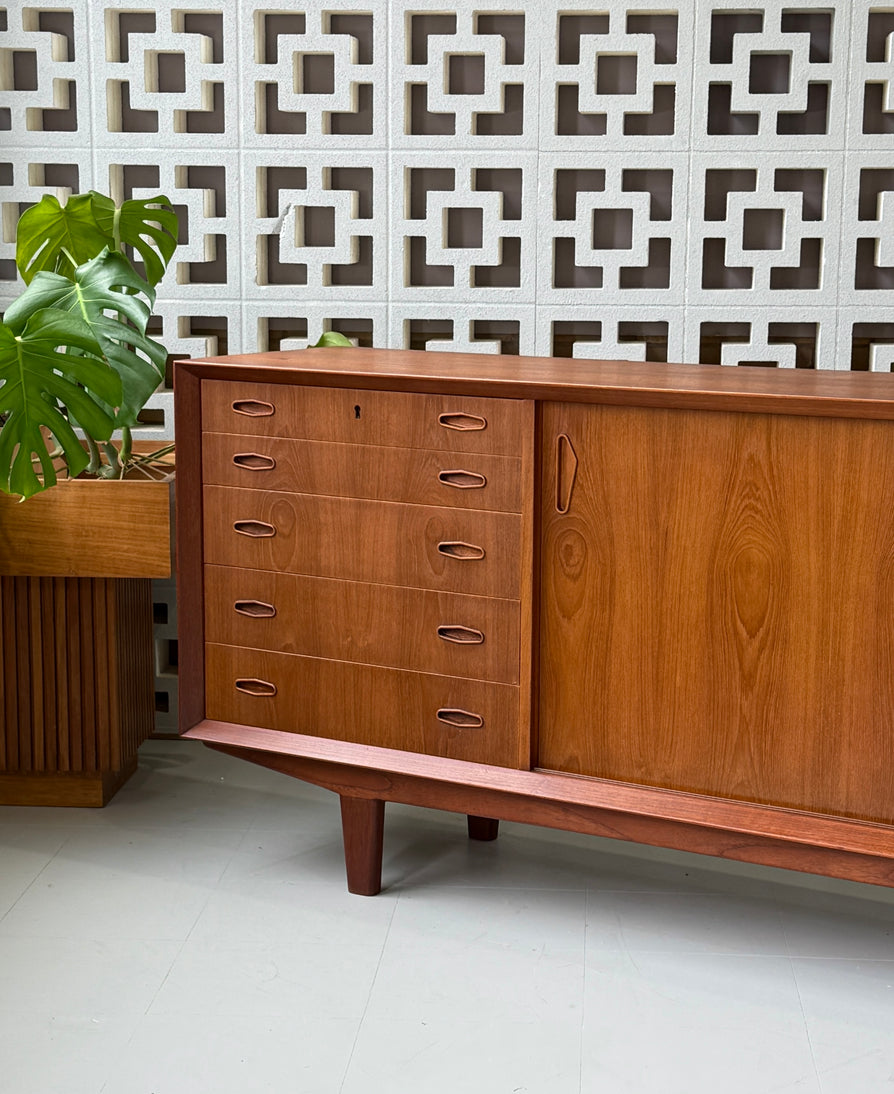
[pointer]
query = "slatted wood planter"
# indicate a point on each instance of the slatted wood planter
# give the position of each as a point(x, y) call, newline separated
point(76, 652)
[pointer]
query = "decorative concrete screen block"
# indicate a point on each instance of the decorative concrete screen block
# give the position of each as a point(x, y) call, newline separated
point(316, 228)
point(43, 56)
point(770, 76)
point(314, 75)
point(610, 231)
point(465, 76)
point(617, 78)
point(467, 229)
point(709, 181)
point(871, 88)
point(765, 228)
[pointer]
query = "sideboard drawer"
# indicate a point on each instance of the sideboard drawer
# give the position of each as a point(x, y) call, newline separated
point(419, 476)
point(426, 547)
point(401, 419)
point(390, 708)
point(444, 633)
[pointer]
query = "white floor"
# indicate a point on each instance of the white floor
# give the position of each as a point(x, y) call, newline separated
point(196, 937)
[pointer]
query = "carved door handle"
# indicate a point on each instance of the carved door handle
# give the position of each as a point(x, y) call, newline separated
point(566, 472)
point(253, 686)
point(462, 480)
point(463, 422)
point(254, 408)
point(254, 461)
point(460, 550)
point(463, 636)
point(255, 609)
point(462, 719)
point(257, 529)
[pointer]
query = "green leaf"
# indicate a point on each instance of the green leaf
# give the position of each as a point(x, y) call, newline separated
point(35, 377)
point(47, 230)
point(150, 226)
point(333, 338)
point(106, 283)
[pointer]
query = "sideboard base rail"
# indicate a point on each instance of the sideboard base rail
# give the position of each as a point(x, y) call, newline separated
point(366, 777)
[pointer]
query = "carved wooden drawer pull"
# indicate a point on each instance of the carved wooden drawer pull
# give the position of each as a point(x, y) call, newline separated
point(566, 472)
point(462, 719)
point(464, 636)
point(460, 550)
point(255, 609)
point(254, 461)
point(257, 529)
point(462, 480)
point(254, 408)
point(252, 686)
point(462, 421)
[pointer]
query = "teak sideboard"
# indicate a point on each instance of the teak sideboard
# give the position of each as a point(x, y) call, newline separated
point(648, 602)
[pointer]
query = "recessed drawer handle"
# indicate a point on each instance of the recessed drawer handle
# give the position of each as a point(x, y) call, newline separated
point(255, 609)
point(462, 719)
point(254, 408)
point(254, 461)
point(462, 421)
point(462, 480)
point(252, 686)
point(464, 636)
point(458, 549)
point(257, 529)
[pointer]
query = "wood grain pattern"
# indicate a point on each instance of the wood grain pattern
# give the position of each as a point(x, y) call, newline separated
point(812, 392)
point(389, 418)
point(364, 541)
point(363, 471)
point(385, 707)
point(718, 607)
point(742, 831)
point(373, 624)
point(78, 700)
point(84, 528)
point(363, 829)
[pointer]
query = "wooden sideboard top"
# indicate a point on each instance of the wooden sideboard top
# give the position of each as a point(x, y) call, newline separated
point(631, 383)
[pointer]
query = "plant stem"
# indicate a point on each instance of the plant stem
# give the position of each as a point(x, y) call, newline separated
point(126, 446)
point(114, 470)
point(95, 464)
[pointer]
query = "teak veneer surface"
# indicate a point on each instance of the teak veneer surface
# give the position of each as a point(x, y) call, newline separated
point(387, 418)
point(698, 387)
point(364, 703)
point(85, 528)
point(372, 624)
point(364, 540)
point(718, 606)
point(363, 471)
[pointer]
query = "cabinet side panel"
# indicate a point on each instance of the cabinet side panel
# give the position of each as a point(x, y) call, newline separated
point(718, 605)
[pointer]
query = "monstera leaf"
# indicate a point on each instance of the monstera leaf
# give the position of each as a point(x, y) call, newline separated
point(57, 238)
point(107, 283)
point(149, 226)
point(37, 377)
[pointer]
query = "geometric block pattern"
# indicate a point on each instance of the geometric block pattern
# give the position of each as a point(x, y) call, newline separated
point(702, 182)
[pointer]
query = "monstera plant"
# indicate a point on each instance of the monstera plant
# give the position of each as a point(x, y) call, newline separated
point(76, 363)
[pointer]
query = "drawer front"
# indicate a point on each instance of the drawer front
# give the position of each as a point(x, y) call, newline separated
point(390, 418)
point(426, 547)
point(388, 708)
point(444, 633)
point(413, 475)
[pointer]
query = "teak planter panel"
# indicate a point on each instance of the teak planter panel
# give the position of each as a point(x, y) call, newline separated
point(85, 528)
point(76, 644)
point(704, 566)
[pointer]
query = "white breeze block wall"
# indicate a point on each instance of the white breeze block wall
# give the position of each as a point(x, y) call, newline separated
point(712, 181)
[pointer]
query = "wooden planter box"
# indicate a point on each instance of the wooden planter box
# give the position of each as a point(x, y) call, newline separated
point(76, 651)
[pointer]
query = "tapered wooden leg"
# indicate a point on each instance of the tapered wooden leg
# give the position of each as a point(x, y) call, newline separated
point(363, 826)
point(483, 828)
